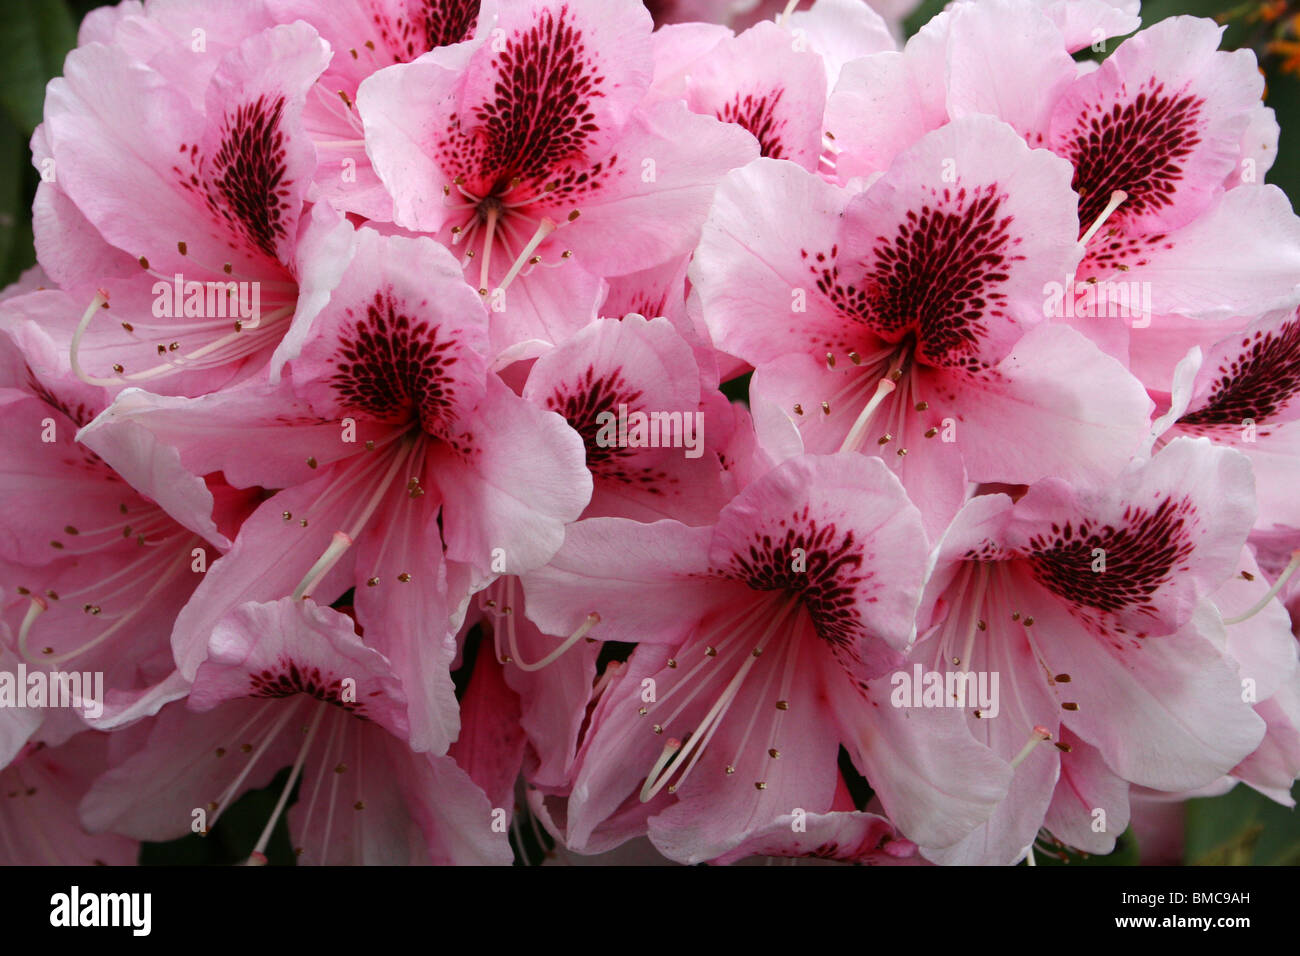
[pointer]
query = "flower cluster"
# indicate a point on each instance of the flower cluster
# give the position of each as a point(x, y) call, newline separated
point(732, 427)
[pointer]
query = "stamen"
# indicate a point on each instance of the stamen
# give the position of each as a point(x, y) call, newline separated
point(853, 441)
point(324, 564)
point(260, 849)
point(612, 670)
point(490, 229)
point(972, 618)
point(1271, 593)
point(35, 609)
point(591, 621)
point(544, 229)
point(660, 775)
point(100, 301)
point(1117, 197)
point(1039, 734)
point(224, 800)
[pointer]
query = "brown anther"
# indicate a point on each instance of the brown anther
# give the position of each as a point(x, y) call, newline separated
point(760, 785)
point(931, 432)
point(730, 769)
point(372, 582)
point(404, 577)
point(1062, 678)
point(182, 248)
point(901, 452)
point(922, 406)
point(798, 409)
point(573, 216)
point(287, 515)
point(128, 326)
point(311, 462)
point(782, 705)
point(855, 358)
point(118, 369)
point(1069, 705)
point(884, 439)
point(672, 662)
point(710, 651)
point(830, 359)
point(774, 753)
point(221, 751)
point(826, 408)
point(1063, 748)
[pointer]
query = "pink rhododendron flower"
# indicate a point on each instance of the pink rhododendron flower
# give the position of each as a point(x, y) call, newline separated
point(545, 150)
point(1089, 605)
point(692, 431)
point(750, 673)
point(199, 247)
point(910, 322)
point(291, 682)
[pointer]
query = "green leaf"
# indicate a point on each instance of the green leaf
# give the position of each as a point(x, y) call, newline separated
point(16, 252)
point(34, 38)
point(1242, 828)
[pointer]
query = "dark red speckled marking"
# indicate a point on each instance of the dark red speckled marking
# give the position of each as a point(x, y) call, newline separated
point(937, 278)
point(826, 588)
point(1142, 554)
point(1260, 379)
point(291, 679)
point(396, 368)
point(1138, 147)
point(247, 187)
point(540, 116)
